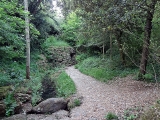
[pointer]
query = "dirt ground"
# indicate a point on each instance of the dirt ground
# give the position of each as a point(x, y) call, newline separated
point(117, 96)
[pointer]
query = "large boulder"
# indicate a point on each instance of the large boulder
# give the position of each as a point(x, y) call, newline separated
point(50, 105)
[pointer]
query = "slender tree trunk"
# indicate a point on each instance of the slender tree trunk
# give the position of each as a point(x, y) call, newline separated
point(103, 50)
point(147, 36)
point(27, 40)
point(122, 55)
point(110, 45)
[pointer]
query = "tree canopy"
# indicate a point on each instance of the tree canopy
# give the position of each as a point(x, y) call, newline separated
point(117, 25)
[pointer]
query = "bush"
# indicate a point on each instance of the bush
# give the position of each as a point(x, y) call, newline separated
point(77, 102)
point(111, 116)
point(129, 116)
point(52, 41)
point(81, 57)
point(5, 79)
point(148, 77)
point(35, 84)
point(10, 103)
point(11, 73)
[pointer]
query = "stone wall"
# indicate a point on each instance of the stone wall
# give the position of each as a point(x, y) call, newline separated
point(61, 56)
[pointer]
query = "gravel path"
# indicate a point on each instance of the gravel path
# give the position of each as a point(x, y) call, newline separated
point(100, 98)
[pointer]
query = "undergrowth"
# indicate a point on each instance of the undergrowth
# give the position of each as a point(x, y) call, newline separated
point(11, 73)
point(53, 41)
point(103, 69)
point(10, 103)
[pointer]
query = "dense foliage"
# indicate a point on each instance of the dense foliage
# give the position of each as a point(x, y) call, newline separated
point(127, 29)
point(12, 47)
point(111, 37)
point(11, 31)
point(70, 28)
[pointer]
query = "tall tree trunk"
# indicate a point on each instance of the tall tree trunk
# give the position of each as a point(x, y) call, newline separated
point(147, 36)
point(27, 40)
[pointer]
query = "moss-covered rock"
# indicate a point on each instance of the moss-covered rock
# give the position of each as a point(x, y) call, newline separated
point(59, 56)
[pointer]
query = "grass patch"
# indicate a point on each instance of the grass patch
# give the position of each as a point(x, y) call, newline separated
point(103, 70)
point(99, 73)
point(52, 41)
point(64, 85)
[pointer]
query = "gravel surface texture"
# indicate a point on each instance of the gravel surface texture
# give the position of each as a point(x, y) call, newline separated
point(116, 96)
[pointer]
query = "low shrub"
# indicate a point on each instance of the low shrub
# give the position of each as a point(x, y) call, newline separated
point(35, 85)
point(52, 41)
point(129, 116)
point(74, 103)
point(81, 57)
point(11, 73)
point(5, 79)
point(111, 116)
point(77, 102)
point(10, 103)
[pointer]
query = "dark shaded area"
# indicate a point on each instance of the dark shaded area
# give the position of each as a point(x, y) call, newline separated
point(48, 88)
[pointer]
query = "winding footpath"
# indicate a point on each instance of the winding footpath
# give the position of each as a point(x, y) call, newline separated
point(118, 95)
